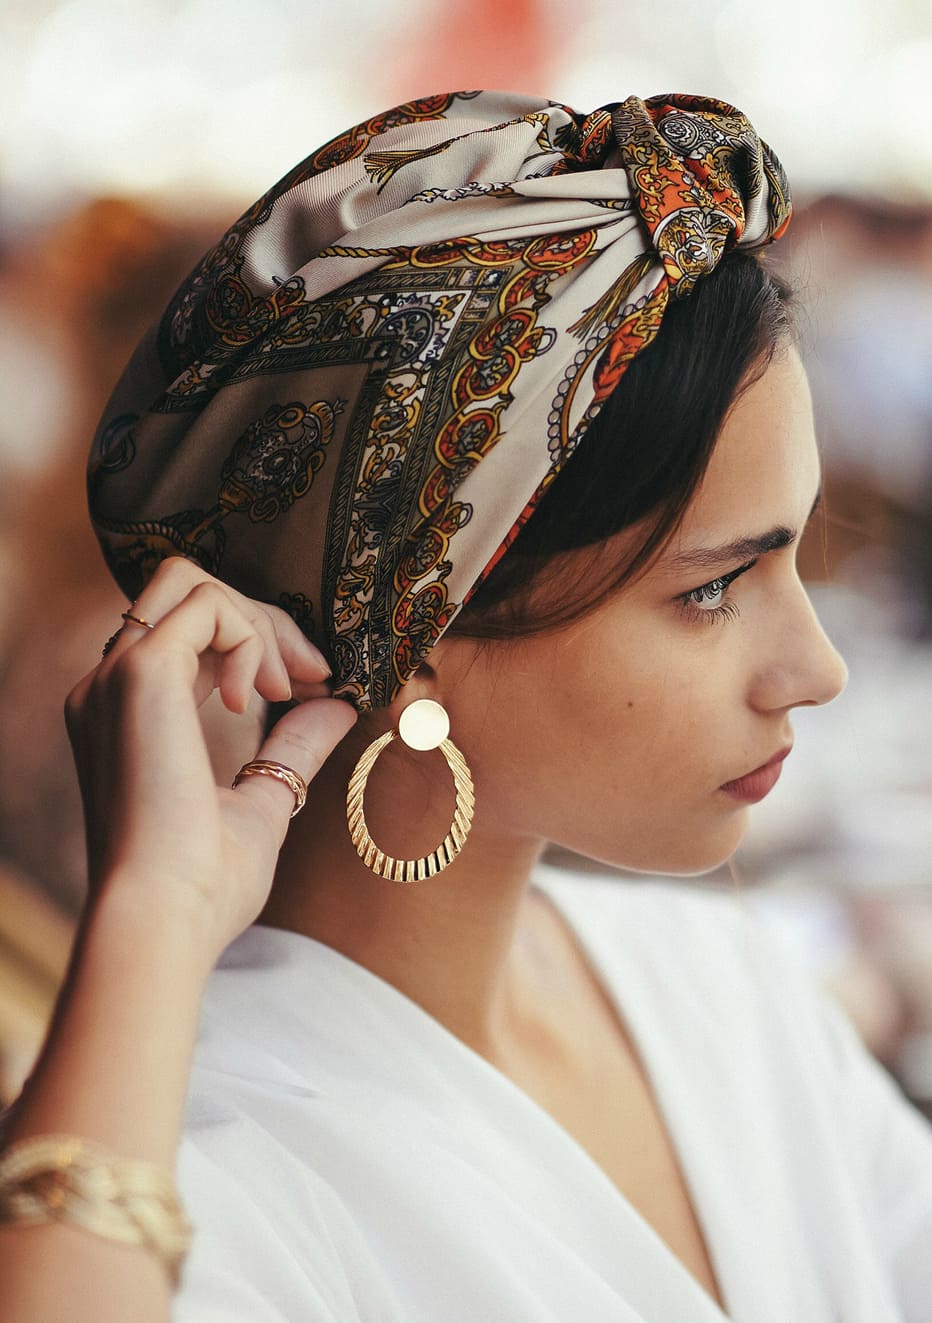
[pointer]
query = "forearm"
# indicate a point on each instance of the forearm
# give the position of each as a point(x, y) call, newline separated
point(115, 1067)
point(114, 1070)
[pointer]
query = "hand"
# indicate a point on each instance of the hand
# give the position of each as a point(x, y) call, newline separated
point(160, 832)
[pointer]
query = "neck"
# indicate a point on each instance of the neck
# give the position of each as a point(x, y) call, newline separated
point(458, 943)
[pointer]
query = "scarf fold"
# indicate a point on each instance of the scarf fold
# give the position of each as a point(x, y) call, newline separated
point(357, 398)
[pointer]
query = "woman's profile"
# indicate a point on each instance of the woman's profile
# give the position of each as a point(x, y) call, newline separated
point(481, 447)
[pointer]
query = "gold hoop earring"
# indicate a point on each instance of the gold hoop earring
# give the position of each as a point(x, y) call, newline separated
point(423, 725)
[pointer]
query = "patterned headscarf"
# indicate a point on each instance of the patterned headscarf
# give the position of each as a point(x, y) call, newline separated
point(358, 397)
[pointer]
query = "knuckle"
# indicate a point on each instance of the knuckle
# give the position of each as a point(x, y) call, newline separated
point(210, 590)
point(262, 618)
point(183, 574)
point(266, 636)
point(174, 567)
point(279, 620)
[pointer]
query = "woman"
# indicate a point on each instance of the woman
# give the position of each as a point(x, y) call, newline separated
point(537, 454)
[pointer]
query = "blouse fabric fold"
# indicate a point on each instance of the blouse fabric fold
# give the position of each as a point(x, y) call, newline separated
point(348, 1160)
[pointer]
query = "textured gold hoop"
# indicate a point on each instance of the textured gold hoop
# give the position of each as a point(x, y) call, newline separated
point(410, 870)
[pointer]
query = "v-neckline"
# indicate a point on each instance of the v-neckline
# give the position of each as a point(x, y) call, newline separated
point(627, 1014)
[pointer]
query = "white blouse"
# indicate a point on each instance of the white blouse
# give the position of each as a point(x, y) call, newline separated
point(348, 1160)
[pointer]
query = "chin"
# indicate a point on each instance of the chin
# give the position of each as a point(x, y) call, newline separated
point(685, 854)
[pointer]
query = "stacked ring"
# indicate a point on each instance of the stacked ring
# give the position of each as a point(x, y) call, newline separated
point(265, 767)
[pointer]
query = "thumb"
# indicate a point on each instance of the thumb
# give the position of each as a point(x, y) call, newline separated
point(302, 740)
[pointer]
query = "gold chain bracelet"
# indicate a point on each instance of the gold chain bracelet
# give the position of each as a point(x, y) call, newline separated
point(64, 1178)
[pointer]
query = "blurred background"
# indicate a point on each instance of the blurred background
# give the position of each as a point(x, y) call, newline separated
point(131, 134)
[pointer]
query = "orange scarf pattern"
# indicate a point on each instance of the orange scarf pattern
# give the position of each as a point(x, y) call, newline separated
point(356, 400)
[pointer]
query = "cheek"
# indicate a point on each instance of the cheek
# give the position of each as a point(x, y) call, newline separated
point(611, 722)
point(657, 739)
point(609, 742)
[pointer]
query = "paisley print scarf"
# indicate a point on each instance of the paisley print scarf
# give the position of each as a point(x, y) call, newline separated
point(355, 401)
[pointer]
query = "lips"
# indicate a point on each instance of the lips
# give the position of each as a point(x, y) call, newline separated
point(755, 785)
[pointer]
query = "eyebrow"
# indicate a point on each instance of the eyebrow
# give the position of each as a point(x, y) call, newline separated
point(742, 548)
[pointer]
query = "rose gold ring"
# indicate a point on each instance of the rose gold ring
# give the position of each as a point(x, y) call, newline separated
point(287, 775)
point(137, 620)
point(126, 616)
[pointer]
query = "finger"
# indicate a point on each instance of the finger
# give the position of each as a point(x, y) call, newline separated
point(303, 740)
point(74, 708)
point(211, 636)
point(175, 579)
point(177, 576)
point(130, 630)
point(272, 670)
point(306, 664)
point(240, 674)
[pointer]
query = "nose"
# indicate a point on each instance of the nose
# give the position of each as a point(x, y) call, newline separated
point(804, 668)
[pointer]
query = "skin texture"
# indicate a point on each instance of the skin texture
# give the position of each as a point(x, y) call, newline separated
point(178, 866)
point(613, 737)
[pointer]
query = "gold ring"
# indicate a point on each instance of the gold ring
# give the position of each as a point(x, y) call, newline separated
point(125, 615)
point(264, 767)
point(137, 620)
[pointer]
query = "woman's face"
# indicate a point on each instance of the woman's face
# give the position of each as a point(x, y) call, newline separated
point(619, 735)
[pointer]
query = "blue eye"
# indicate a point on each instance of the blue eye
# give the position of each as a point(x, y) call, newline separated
point(710, 602)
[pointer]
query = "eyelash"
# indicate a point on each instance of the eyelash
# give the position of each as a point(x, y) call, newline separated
point(717, 614)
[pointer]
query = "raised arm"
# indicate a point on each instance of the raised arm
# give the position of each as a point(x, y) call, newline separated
point(178, 868)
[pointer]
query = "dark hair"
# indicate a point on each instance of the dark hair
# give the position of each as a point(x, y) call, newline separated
point(645, 452)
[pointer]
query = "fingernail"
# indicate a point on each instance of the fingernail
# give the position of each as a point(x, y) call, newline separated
point(320, 659)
